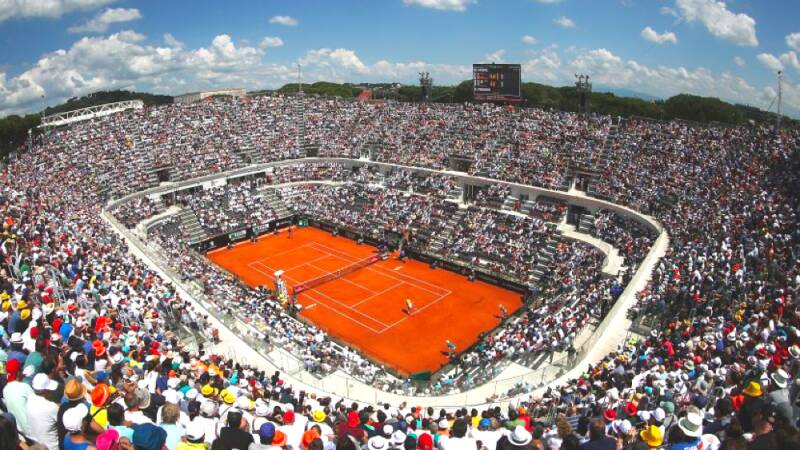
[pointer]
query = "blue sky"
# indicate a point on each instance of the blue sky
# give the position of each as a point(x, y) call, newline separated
point(62, 48)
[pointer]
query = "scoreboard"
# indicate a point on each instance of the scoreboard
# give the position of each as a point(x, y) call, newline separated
point(497, 82)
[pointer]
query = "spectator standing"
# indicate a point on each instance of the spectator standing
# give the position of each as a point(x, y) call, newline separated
point(16, 394)
point(42, 414)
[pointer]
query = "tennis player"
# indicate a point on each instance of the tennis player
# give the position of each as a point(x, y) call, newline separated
point(503, 311)
point(410, 308)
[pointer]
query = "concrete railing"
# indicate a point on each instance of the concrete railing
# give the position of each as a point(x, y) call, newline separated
point(604, 339)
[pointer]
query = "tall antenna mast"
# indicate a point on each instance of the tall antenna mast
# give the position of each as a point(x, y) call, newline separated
point(299, 79)
point(780, 97)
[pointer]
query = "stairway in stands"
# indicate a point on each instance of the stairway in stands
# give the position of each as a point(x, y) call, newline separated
point(300, 116)
point(192, 229)
point(544, 260)
point(246, 150)
point(276, 203)
point(440, 241)
point(586, 223)
point(152, 170)
point(455, 195)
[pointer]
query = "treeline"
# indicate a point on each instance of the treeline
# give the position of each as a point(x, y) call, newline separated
point(14, 131)
point(692, 108)
point(14, 128)
point(345, 90)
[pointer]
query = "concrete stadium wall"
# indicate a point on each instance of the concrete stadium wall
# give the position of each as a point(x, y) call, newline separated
point(611, 332)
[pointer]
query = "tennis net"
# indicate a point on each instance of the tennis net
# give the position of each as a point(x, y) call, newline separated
point(314, 282)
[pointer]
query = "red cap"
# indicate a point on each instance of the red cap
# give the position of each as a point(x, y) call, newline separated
point(425, 442)
point(12, 369)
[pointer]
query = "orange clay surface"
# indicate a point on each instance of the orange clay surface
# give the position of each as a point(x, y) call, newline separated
point(367, 308)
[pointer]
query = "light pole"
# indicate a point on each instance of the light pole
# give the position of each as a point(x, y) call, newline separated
point(299, 79)
point(780, 98)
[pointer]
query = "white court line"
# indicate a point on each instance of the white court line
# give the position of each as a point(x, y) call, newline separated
point(246, 241)
point(415, 313)
point(379, 293)
point(401, 282)
point(331, 298)
point(317, 302)
point(344, 278)
point(285, 252)
point(388, 274)
point(271, 276)
point(299, 265)
point(441, 297)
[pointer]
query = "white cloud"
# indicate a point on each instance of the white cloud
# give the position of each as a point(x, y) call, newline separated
point(284, 20)
point(271, 41)
point(544, 66)
point(793, 41)
point(652, 35)
point(121, 60)
point(101, 22)
point(609, 69)
point(12, 9)
point(222, 56)
point(667, 11)
point(784, 61)
point(529, 40)
point(124, 60)
point(442, 5)
point(790, 59)
point(497, 56)
point(564, 22)
point(739, 61)
point(739, 29)
point(171, 41)
point(339, 60)
point(769, 61)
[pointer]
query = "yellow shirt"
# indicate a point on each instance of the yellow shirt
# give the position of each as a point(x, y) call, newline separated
point(101, 417)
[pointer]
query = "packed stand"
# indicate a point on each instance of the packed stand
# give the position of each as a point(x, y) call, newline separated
point(90, 361)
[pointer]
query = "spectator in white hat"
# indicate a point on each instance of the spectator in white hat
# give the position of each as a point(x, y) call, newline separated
point(43, 412)
point(517, 439)
point(74, 423)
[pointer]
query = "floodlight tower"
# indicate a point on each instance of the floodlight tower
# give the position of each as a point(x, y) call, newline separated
point(299, 79)
point(780, 98)
point(584, 88)
point(425, 82)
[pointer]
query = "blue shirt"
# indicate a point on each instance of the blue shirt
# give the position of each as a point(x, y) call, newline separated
point(685, 445)
point(174, 434)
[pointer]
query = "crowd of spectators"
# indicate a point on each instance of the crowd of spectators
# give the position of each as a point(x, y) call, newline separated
point(631, 238)
point(91, 358)
point(191, 140)
point(230, 207)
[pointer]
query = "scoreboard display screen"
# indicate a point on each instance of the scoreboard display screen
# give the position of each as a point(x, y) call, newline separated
point(497, 82)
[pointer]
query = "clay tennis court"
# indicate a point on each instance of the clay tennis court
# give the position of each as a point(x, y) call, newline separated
point(367, 308)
